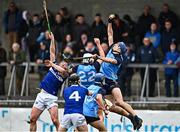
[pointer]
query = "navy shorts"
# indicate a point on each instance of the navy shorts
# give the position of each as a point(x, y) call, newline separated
point(91, 119)
point(110, 85)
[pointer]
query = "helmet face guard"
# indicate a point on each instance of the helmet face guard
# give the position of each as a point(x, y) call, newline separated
point(86, 59)
point(119, 48)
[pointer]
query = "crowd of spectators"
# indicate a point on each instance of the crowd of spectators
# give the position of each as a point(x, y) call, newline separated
point(149, 40)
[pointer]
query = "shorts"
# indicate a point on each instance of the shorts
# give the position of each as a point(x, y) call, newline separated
point(110, 85)
point(74, 120)
point(45, 100)
point(90, 119)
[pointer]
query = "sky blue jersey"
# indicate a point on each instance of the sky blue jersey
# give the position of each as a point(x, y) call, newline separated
point(90, 107)
point(110, 70)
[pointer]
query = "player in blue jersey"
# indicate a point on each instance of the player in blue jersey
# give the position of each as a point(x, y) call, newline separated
point(89, 67)
point(74, 96)
point(49, 86)
point(93, 103)
point(109, 67)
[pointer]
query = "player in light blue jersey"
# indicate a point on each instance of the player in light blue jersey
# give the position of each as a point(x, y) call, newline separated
point(93, 103)
point(74, 96)
point(109, 67)
point(89, 67)
point(49, 86)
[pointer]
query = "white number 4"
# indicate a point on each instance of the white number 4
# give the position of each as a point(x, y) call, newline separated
point(75, 95)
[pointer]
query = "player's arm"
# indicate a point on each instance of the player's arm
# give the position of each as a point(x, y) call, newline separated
point(108, 60)
point(49, 63)
point(110, 30)
point(100, 102)
point(52, 48)
point(100, 49)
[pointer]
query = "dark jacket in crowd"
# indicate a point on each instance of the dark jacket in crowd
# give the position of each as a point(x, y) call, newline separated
point(19, 58)
point(99, 31)
point(166, 39)
point(3, 58)
point(173, 56)
point(23, 29)
point(147, 54)
point(143, 24)
point(78, 29)
point(12, 21)
point(60, 30)
point(118, 31)
point(170, 15)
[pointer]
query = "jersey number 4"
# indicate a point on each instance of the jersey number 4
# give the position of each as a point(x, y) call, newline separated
point(75, 96)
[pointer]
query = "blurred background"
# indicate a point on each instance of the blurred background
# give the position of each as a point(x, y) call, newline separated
point(149, 78)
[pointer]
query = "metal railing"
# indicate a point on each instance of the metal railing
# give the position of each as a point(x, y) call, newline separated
point(25, 81)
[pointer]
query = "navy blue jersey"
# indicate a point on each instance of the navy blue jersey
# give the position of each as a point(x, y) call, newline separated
point(52, 81)
point(87, 73)
point(74, 98)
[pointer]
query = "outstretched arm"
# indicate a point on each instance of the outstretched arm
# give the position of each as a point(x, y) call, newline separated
point(109, 60)
point(52, 48)
point(110, 30)
point(49, 63)
point(100, 49)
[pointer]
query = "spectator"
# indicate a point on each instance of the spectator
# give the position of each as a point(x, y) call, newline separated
point(44, 21)
point(119, 29)
point(33, 33)
point(90, 48)
point(59, 30)
point(165, 14)
point(82, 43)
point(3, 58)
point(80, 27)
point(168, 35)
point(144, 22)
point(130, 25)
point(98, 28)
point(64, 12)
point(16, 57)
point(154, 35)
point(147, 54)
point(12, 19)
point(68, 52)
point(23, 29)
point(125, 75)
point(43, 55)
point(105, 47)
point(171, 73)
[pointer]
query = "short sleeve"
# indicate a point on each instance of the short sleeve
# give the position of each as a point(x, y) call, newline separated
point(119, 59)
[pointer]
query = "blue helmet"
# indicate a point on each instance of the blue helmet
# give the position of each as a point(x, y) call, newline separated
point(99, 78)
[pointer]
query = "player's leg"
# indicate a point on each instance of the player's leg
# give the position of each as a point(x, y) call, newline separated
point(79, 122)
point(99, 125)
point(37, 109)
point(54, 116)
point(65, 123)
point(118, 110)
point(119, 101)
point(35, 113)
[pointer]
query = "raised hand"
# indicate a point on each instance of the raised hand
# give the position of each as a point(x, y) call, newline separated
point(111, 18)
point(51, 36)
point(97, 41)
point(48, 63)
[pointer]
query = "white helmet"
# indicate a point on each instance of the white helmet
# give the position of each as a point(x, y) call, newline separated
point(87, 60)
